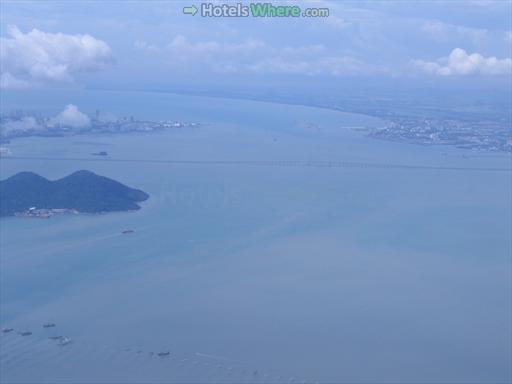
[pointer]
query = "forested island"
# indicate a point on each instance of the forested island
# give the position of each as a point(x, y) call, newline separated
point(29, 194)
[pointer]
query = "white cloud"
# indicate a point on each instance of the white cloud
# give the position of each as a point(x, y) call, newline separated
point(459, 62)
point(445, 30)
point(26, 123)
point(338, 22)
point(36, 57)
point(259, 57)
point(8, 81)
point(327, 65)
point(70, 117)
point(180, 45)
point(142, 45)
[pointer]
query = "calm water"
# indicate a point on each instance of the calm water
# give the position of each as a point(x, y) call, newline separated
point(259, 273)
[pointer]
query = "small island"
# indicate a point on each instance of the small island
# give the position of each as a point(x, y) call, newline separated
point(29, 194)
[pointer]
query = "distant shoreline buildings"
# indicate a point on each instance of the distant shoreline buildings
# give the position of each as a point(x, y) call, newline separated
point(44, 213)
point(490, 136)
point(21, 124)
point(484, 135)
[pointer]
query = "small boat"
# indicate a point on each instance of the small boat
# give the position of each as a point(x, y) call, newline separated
point(7, 330)
point(162, 354)
point(26, 333)
point(56, 337)
point(48, 325)
point(64, 341)
point(128, 231)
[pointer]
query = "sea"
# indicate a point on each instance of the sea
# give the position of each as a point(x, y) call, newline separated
point(279, 245)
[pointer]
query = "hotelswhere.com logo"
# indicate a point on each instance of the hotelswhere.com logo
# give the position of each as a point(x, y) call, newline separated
point(254, 10)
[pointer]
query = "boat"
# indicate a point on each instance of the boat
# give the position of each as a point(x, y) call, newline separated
point(7, 330)
point(26, 333)
point(64, 341)
point(128, 231)
point(162, 354)
point(48, 325)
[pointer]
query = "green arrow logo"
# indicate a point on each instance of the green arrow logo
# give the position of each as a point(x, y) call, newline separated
point(190, 10)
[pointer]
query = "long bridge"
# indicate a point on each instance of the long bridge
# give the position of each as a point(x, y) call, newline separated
point(271, 163)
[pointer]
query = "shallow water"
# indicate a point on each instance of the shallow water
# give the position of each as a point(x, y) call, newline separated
point(259, 273)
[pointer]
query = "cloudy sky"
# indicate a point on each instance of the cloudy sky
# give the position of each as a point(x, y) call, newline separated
point(143, 45)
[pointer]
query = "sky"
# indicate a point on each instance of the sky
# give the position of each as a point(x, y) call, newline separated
point(153, 45)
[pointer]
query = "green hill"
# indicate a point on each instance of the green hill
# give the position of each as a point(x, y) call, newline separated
point(83, 191)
